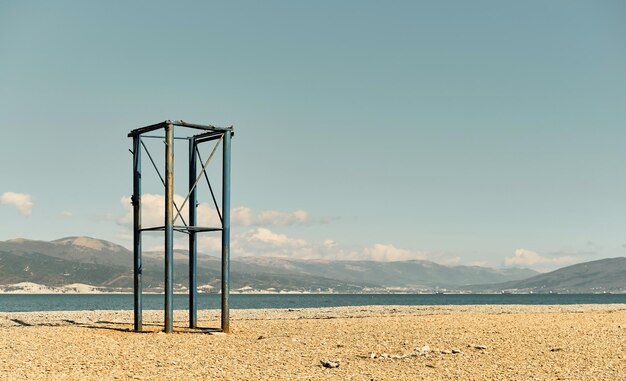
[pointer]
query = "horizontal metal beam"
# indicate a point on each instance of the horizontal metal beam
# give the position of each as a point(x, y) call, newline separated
point(163, 137)
point(143, 130)
point(208, 133)
point(206, 127)
point(204, 228)
point(203, 138)
point(152, 229)
point(183, 229)
point(181, 123)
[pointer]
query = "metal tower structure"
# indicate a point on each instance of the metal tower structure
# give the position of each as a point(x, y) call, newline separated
point(207, 133)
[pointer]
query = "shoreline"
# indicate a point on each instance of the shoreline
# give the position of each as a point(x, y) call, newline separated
point(64, 318)
point(30, 288)
point(305, 293)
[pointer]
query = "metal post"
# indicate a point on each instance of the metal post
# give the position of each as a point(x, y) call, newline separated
point(169, 227)
point(136, 201)
point(226, 231)
point(193, 247)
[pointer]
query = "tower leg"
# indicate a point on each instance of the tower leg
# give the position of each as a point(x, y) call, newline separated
point(169, 227)
point(136, 201)
point(193, 240)
point(226, 232)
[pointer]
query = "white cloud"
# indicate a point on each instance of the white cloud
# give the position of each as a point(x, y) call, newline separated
point(387, 253)
point(452, 261)
point(480, 263)
point(329, 244)
point(153, 214)
point(66, 214)
point(153, 211)
point(21, 201)
point(241, 216)
point(267, 237)
point(210, 244)
point(529, 258)
point(258, 239)
point(264, 242)
point(276, 218)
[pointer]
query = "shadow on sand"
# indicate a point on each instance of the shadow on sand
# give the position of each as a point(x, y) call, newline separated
point(120, 327)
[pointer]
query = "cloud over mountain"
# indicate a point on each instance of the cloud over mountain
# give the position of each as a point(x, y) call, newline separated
point(255, 233)
point(529, 258)
point(21, 201)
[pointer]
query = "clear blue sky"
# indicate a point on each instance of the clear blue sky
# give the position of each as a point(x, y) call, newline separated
point(463, 132)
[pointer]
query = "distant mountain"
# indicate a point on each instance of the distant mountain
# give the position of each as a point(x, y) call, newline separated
point(82, 249)
point(604, 275)
point(105, 264)
point(101, 263)
point(414, 274)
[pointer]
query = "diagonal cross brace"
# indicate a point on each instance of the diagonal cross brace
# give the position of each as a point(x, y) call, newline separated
point(160, 177)
point(203, 171)
point(217, 208)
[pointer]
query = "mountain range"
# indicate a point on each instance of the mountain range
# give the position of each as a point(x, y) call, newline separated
point(106, 265)
point(604, 275)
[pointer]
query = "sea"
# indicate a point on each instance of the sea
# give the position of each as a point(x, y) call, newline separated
point(80, 302)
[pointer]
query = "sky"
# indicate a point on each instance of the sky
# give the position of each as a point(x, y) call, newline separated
point(467, 133)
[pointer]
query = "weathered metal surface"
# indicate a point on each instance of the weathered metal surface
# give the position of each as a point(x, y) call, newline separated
point(224, 134)
point(184, 229)
point(163, 137)
point(143, 130)
point(207, 127)
point(207, 136)
point(226, 232)
point(193, 243)
point(136, 201)
point(181, 123)
point(169, 228)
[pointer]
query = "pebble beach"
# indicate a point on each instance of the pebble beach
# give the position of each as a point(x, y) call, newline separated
point(573, 342)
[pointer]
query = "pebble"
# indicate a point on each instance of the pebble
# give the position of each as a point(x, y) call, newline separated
point(476, 346)
point(330, 363)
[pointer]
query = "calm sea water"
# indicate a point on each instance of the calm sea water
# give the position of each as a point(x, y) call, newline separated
point(25, 303)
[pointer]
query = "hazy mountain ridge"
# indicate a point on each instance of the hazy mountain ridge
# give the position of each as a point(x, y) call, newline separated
point(603, 275)
point(409, 274)
point(105, 264)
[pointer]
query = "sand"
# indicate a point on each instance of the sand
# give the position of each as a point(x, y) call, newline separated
point(580, 342)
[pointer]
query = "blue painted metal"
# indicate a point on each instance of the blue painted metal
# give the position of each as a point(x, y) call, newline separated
point(136, 201)
point(169, 227)
point(210, 133)
point(226, 231)
point(164, 124)
point(206, 127)
point(163, 137)
point(193, 242)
